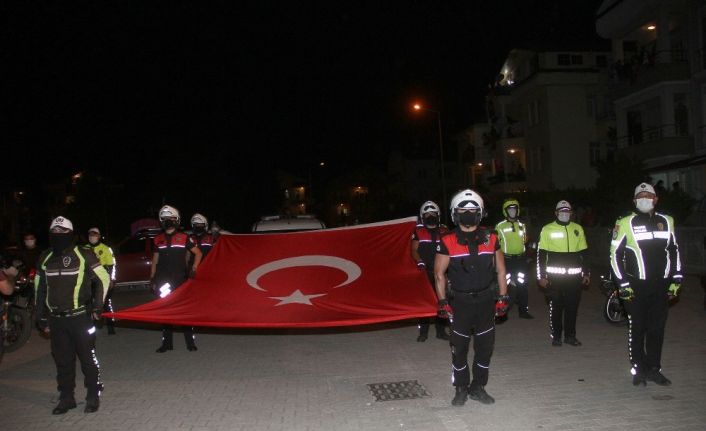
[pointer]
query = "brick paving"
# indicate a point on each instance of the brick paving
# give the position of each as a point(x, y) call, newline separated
point(316, 380)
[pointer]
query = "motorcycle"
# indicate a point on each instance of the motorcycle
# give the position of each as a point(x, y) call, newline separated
point(613, 309)
point(17, 310)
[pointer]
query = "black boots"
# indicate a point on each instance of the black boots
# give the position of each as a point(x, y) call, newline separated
point(479, 394)
point(656, 376)
point(65, 404)
point(460, 397)
point(163, 348)
point(524, 314)
point(474, 392)
point(422, 338)
point(572, 341)
point(191, 347)
point(639, 379)
point(442, 335)
point(92, 405)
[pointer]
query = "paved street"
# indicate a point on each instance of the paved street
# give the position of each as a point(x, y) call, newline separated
point(316, 379)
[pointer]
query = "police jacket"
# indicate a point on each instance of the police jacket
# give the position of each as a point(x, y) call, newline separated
point(105, 257)
point(172, 251)
point(204, 242)
point(644, 247)
point(471, 258)
point(428, 240)
point(561, 251)
point(72, 280)
point(512, 236)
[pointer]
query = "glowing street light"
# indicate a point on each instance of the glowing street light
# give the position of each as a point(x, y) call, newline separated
point(419, 107)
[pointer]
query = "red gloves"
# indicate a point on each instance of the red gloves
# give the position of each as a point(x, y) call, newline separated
point(502, 305)
point(445, 310)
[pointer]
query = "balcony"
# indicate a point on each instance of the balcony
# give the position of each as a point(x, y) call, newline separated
point(657, 143)
point(632, 78)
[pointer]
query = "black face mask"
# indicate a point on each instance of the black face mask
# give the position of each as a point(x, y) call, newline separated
point(431, 221)
point(199, 230)
point(468, 219)
point(167, 224)
point(60, 241)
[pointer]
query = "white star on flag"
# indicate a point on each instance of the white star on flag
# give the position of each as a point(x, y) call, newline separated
point(296, 297)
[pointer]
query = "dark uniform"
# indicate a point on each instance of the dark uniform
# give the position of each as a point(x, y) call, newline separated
point(171, 272)
point(70, 286)
point(644, 256)
point(204, 242)
point(471, 274)
point(429, 239)
point(561, 261)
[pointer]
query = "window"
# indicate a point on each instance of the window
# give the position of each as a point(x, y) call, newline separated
point(610, 149)
point(601, 61)
point(533, 113)
point(591, 105)
point(577, 59)
point(133, 245)
point(563, 59)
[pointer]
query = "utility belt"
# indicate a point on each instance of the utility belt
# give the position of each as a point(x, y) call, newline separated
point(560, 270)
point(69, 313)
point(512, 256)
point(474, 293)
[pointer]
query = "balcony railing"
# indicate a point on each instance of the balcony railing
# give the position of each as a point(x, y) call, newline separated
point(655, 142)
point(637, 75)
point(653, 134)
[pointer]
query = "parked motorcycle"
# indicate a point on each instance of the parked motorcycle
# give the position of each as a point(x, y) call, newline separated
point(613, 309)
point(17, 310)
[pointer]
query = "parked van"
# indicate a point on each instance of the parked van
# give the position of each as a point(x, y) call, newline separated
point(285, 223)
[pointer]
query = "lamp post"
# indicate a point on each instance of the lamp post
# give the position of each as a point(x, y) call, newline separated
point(419, 107)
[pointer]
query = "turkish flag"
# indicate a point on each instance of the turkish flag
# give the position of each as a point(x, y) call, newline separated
point(334, 277)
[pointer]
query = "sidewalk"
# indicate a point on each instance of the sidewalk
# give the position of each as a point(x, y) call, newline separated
point(316, 380)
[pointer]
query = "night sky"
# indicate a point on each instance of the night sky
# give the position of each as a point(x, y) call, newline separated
point(219, 92)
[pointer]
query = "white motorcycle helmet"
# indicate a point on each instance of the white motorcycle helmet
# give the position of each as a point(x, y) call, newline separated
point(429, 207)
point(169, 213)
point(199, 219)
point(466, 199)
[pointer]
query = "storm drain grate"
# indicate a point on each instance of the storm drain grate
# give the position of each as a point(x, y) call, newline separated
point(405, 390)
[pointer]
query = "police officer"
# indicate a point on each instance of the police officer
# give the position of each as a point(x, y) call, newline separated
point(562, 271)
point(427, 235)
point(512, 236)
point(107, 259)
point(644, 259)
point(201, 236)
point(169, 268)
point(473, 260)
point(70, 286)
point(29, 252)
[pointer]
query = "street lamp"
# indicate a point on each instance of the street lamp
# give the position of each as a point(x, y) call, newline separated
point(419, 107)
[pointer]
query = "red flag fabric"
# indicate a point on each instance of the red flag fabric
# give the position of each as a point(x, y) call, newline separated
point(334, 277)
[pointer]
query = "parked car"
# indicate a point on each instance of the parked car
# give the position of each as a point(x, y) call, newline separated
point(133, 259)
point(285, 223)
